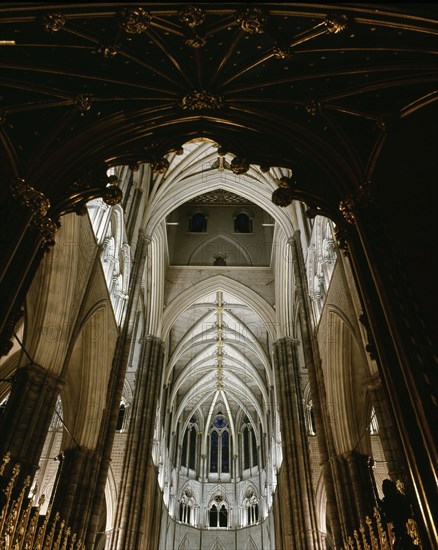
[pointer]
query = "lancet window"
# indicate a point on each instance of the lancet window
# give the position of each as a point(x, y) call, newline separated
point(189, 446)
point(250, 456)
point(220, 446)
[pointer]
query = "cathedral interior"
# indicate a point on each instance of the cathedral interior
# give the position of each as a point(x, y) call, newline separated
point(218, 222)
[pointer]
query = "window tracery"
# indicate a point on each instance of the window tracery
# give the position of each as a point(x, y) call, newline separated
point(189, 449)
point(251, 507)
point(220, 446)
point(218, 512)
point(187, 507)
point(321, 259)
point(250, 455)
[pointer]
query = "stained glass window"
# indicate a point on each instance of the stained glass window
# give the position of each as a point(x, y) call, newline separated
point(225, 453)
point(214, 440)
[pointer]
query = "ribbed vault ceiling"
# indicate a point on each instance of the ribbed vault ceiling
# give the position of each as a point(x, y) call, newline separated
point(218, 351)
point(310, 86)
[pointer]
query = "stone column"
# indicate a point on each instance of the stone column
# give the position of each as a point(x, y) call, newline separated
point(115, 389)
point(317, 388)
point(388, 434)
point(405, 352)
point(137, 522)
point(26, 420)
point(75, 487)
point(299, 524)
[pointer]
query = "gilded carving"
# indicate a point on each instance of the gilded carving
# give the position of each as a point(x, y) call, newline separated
point(280, 52)
point(108, 51)
point(53, 22)
point(29, 197)
point(192, 16)
point(135, 20)
point(349, 206)
point(47, 229)
point(346, 209)
point(202, 99)
point(195, 41)
point(83, 102)
point(314, 107)
point(336, 23)
point(251, 20)
point(239, 165)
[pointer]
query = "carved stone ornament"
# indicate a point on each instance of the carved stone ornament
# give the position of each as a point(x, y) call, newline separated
point(239, 165)
point(112, 195)
point(283, 196)
point(47, 229)
point(29, 197)
point(341, 236)
point(160, 166)
point(83, 102)
point(195, 41)
point(198, 100)
point(313, 107)
point(108, 52)
point(336, 23)
point(135, 20)
point(192, 16)
point(53, 22)
point(282, 52)
point(349, 206)
point(251, 20)
point(285, 182)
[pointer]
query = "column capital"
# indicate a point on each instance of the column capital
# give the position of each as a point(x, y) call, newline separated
point(39, 376)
